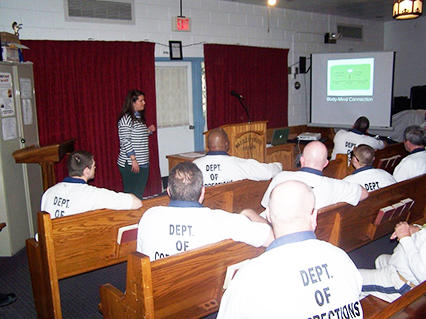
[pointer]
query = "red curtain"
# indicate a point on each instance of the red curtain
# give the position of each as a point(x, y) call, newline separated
point(80, 89)
point(259, 74)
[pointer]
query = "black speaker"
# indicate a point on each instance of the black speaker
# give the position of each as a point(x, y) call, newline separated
point(302, 64)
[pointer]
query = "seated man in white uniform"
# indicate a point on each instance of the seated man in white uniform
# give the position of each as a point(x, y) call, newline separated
point(414, 164)
point(344, 141)
point(365, 174)
point(327, 190)
point(185, 224)
point(219, 167)
point(298, 276)
point(73, 195)
point(397, 273)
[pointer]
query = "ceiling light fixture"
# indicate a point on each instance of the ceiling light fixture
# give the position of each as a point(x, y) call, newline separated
point(407, 9)
point(270, 4)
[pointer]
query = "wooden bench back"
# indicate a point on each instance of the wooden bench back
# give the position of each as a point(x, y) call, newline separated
point(386, 159)
point(187, 285)
point(350, 227)
point(389, 157)
point(236, 196)
point(338, 168)
point(88, 241)
point(80, 243)
point(181, 286)
point(410, 305)
point(76, 244)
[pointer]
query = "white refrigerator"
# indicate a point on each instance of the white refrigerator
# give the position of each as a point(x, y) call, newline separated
point(20, 184)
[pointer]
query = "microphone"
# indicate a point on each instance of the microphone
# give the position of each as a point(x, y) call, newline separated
point(234, 93)
point(240, 99)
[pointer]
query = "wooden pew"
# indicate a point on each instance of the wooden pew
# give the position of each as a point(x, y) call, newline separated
point(151, 295)
point(410, 305)
point(187, 285)
point(350, 227)
point(73, 245)
point(236, 196)
point(284, 154)
point(80, 243)
point(338, 168)
point(390, 156)
point(386, 159)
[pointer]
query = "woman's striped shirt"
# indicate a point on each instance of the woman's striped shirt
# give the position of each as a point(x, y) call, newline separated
point(133, 136)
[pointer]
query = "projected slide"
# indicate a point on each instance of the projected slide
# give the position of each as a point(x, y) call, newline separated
point(350, 77)
point(347, 85)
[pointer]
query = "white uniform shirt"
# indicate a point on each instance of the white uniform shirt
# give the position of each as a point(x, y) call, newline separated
point(344, 142)
point(300, 278)
point(327, 190)
point(411, 166)
point(220, 168)
point(409, 257)
point(371, 178)
point(74, 196)
point(165, 231)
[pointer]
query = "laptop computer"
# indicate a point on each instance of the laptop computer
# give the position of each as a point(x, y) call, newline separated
point(280, 136)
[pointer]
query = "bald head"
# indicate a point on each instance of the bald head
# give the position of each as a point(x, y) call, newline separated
point(314, 156)
point(291, 207)
point(218, 140)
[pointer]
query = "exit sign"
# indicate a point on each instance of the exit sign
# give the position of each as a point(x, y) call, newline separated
point(181, 24)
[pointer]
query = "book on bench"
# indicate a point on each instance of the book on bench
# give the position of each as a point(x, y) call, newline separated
point(399, 209)
point(127, 234)
point(394, 211)
point(408, 203)
point(384, 214)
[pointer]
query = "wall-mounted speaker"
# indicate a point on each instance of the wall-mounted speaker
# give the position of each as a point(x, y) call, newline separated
point(302, 64)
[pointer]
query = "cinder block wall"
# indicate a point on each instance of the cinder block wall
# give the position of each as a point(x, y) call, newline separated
point(406, 38)
point(213, 21)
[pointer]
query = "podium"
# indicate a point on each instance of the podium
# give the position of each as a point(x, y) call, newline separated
point(246, 140)
point(46, 156)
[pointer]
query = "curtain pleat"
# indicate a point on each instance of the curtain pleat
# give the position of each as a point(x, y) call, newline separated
point(80, 89)
point(259, 74)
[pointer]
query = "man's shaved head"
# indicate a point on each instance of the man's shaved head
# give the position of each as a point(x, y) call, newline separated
point(218, 140)
point(315, 156)
point(291, 207)
point(364, 154)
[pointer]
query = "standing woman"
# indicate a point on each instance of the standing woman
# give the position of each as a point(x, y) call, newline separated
point(133, 160)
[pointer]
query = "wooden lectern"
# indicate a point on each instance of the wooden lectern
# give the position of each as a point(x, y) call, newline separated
point(246, 140)
point(46, 156)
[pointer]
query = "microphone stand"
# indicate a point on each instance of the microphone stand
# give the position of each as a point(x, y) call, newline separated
point(244, 107)
point(250, 141)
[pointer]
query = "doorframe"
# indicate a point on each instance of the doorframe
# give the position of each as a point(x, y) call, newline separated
point(188, 66)
point(197, 107)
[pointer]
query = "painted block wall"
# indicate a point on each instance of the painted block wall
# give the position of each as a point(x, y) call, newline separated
point(213, 21)
point(408, 40)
